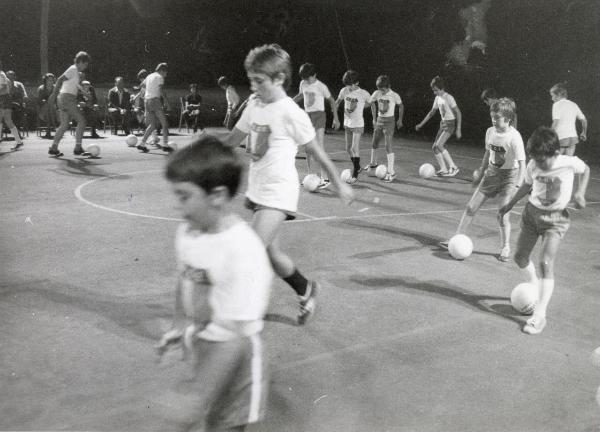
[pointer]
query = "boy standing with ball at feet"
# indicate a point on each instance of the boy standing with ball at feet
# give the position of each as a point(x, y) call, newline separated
point(154, 94)
point(221, 296)
point(276, 126)
point(501, 172)
point(549, 178)
point(384, 123)
point(314, 93)
point(355, 101)
point(451, 121)
point(65, 95)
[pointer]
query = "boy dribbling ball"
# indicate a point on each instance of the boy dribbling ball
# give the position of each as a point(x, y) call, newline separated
point(549, 178)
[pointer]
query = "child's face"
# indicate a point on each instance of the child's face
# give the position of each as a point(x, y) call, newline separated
point(81, 66)
point(544, 162)
point(263, 86)
point(500, 122)
point(555, 97)
point(194, 204)
point(383, 90)
point(437, 91)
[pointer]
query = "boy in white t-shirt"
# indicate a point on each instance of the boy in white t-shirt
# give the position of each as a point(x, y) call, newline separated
point(65, 94)
point(314, 93)
point(565, 113)
point(451, 121)
point(501, 172)
point(355, 101)
point(154, 96)
point(232, 98)
point(549, 178)
point(276, 126)
point(222, 294)
point(6, 87)
point(383, 106)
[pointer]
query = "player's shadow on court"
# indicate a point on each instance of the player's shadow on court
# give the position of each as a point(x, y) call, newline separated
point(494, 305)
point(282, 319)
point(80, 167)
point(424, 239)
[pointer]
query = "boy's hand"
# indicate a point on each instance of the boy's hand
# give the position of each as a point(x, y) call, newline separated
point(579, 201)
point(169, 339)
point(336, 124)
point(419, 126)
point(458, 134)
point(399, 124)
point(477, 176)
point(582, 136)
point(346, 193)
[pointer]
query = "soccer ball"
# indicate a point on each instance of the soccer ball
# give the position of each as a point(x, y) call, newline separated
point(93, 150)
point(381, 171)
point(460, 246)
point(311, 182)
point(524, 297)
point(426, 170)
point(346, 175)
point(131, 140)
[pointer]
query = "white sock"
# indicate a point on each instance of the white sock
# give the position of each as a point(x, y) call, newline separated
point(530, 272)
point(390, 158)
point(547, 288)
point(373, 160)
point(440, 160)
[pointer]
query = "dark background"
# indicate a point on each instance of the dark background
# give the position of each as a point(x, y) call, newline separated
point(532, 44)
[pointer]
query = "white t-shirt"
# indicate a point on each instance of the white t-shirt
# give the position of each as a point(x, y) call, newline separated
point(386, 103)
point(314, 95)
point(153, 83)
point(552, 189)
point(3, 84)
point(354, 104)
point(444, 104)
point(225, 276)
point(275, 132)
point(71, 84)
point(566, 111)
point(506, 148)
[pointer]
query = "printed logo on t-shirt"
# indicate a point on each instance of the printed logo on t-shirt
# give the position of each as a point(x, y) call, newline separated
point(259, 141)
point(309, 99)
point(350, 105)
point(384, 106)
point(499, 155)
point(551, 192)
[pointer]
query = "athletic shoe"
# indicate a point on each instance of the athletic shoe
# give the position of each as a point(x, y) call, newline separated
point(78, 150)
point(389, 177)
point(453, 171)
point(444, 244)
point(142, 147)
point(324, 184)
point(441, 173)
point(55, 152)
point(535, 325)
point(504, 254)
point(308, 302)
point(167, 148)
point(352, 180)
point(367, 168)
point(17, 146)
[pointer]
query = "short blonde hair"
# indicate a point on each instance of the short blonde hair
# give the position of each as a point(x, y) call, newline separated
point(271, 60)
point(506, 107)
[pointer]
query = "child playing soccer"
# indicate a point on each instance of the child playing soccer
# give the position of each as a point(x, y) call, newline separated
point(451, 121)
point(233, 100)
point(276, 126)
point(501, 172)
point(6, 87)
point(65, 95)
point(221, 296)
point(153, 93)
point(314, 93)
point(564, 116)
point(384, 123)
point(355, 101)
point(549, 178)
point(489, 96)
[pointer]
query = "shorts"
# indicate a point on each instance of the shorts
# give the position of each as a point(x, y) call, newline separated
point(251, 205)
point(386, 124)
point(497, 181)
point(354, 130)
point(153, 105)
point(318, 119)
point(568, 142)
point(5, 101)
point(448, 126)
point(228, 386)
point(536, 222)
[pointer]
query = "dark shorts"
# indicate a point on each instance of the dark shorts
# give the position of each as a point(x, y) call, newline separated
point(318, 119)
point(568, 142)
point(153, 105)
point(448, 126)
point(497, 181)
point(536, 222)
point(5, 101)
point(354, 130)
point(251, 205)
point(386, 124)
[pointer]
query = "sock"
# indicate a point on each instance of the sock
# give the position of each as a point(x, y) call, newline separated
point(390, 158)
point(440, 160)
point(298, 282)
point(356, 163)
point(530, 273)
point(373, 161)
point(547, 288)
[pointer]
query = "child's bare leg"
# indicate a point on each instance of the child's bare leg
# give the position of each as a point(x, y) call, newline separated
point(550, 243)
point(505, 227)
point(151, 119)
point(448, 159)
point(438, 148)
point(348, 137)
point(377, 133)
point(390, 153)
point(356, 152)
point(471, 210)
point(64, 125)
point(165, 126)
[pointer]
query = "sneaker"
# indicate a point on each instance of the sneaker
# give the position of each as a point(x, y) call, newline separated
point(535, 325)
point(53, 151)
point(444, 244)
point(453, 171)
point(308, 303)
point(167, 148)
point(441, 173)
point(324, 184)
point(504, 254)
point(352, 180)
point(17, 146)
point(142, 147)
point(368, 168)
point(389, 177)
point(78, 150)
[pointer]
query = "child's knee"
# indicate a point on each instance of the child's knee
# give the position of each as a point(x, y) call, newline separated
point(436, 149)
point(521, 259)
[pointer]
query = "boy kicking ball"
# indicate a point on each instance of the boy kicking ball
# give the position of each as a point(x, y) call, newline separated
point(549, 178)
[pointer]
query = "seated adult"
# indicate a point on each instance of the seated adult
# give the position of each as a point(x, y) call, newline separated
point(19, 100)
point(47, 111)
point(88, 104)
point(119, 106)
point(191, 113)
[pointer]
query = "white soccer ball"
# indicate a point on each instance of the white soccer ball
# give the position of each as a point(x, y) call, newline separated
point(460, 246)
point(93, 150)
point(426, 170)
point(524, 297)
point(381, 171)
point(311, 182)
point(346, 175)
point(131, 140)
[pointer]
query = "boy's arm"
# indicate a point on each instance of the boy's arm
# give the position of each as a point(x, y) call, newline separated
point(584, 126)
point(458, 114)
point(523, 190)
point(374, 112)
point(430, 114)
point(298, 97)
point(164, 95)
point(344, 190)
point(233, 138)
point(334, 111)
point(579, 196)
point(521, 173)
point(400, 123)
point(57, 86)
